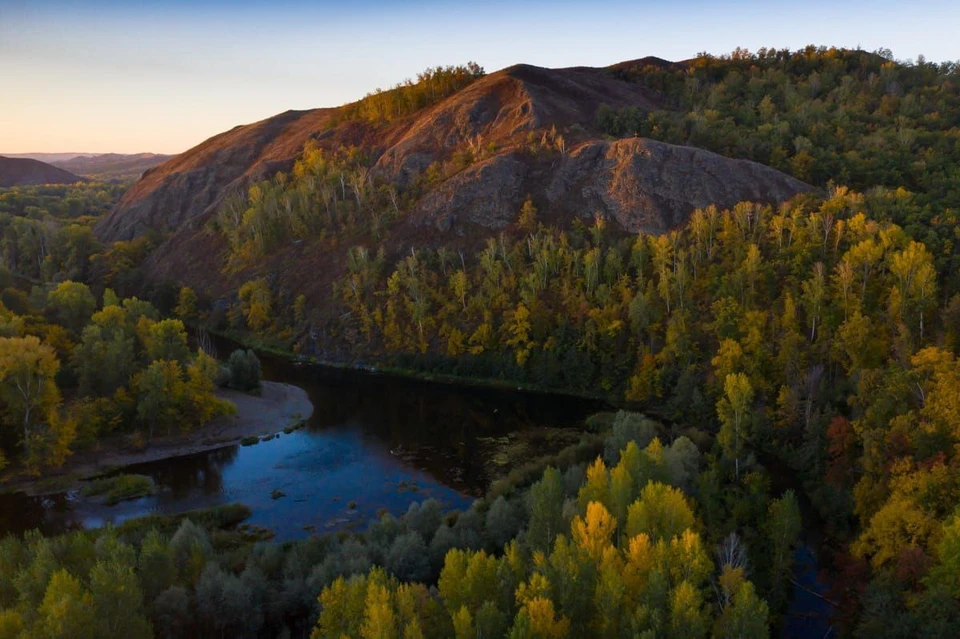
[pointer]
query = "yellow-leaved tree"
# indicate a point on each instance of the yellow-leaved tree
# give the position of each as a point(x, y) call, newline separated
point(31, 400)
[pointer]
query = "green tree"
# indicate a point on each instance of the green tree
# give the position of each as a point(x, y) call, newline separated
point(167, 340)
point(546, 511)
point(160, 393)
point(256, 304)
point(783, 530)
point(662, 512)
point(73, 304)
point(29, 392)
point(734, 411)
point(186, 308)
point(118, 599)
point(68, 611)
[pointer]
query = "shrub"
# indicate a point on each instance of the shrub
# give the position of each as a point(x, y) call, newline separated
point(119, 488)
point(408, 558)
point(242, 371)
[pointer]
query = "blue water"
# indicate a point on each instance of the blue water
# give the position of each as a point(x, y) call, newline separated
point(319, 473)
point(379, 442)
point(808, 616)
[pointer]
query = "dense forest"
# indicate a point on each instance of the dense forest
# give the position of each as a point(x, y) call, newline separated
point(801, 361)
point(608, 547)
point(822, 333)
point(76, 367)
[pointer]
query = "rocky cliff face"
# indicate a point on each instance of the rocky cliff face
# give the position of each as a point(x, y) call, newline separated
point(643, 185)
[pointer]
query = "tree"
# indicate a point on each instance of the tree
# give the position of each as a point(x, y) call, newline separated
point(546, 511)
point(105, 358)
point(468, 579)
point(538, 620)
point(628, 427)
point(243, 370)
point(744, 615)
point(167, 340)
point(28, 389)
point(379, 621)
point(596, 487)
point(160, 393)
point(459, 286)
point(518, 327)
point(186, 308)
point(116, 594)
point(528, 216)
point(408, 558)
point(687, 616)
point(622, 493)
point(662, 512)
point(424, 518)
point(783, 529)
point(946, 573)
point(734, 411)
point(68, 610)
point(342, 608)
point(256, 304)
point(592, 532)
point(73, 303)
point(503, 522)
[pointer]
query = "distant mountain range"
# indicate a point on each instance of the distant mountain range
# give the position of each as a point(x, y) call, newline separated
point(27, 171)
point(100, 166)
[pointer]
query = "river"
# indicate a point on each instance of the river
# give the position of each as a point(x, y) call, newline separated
point(373, 443)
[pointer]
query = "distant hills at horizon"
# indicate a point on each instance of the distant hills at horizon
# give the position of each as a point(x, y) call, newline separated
point(28, 172)
point(51, 158)
point(97, 166)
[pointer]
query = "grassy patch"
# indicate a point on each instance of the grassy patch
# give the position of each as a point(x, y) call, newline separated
point(216, 518)
point(119, 488)
point(253, 440)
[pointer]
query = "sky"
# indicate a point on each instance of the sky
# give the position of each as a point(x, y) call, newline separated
point(162, 76)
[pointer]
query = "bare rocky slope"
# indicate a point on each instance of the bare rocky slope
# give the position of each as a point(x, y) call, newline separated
point(642, 184)
point(26, 172)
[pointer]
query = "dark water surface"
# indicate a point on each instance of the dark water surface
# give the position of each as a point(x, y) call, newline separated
point(381, 442)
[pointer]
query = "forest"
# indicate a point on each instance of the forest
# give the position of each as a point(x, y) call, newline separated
point(817, 339)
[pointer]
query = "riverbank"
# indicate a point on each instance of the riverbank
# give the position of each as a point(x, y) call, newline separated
point(273, 348)
point(277, 407)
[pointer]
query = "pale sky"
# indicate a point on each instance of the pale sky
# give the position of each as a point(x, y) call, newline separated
point(163, 76)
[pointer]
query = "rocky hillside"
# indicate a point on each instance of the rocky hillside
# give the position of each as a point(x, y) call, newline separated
point(501, 120)
point(25, 172)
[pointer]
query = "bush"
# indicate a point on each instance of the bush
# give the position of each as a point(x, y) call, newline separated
point(503, 522)
point(424, 518)
point(119, 488)
point(628, 427)
point(408, 558)
point(242, 371)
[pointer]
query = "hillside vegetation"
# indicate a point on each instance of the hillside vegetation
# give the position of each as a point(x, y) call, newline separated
point(762, 250)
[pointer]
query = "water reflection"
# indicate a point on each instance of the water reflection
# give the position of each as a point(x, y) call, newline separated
point(373, 442)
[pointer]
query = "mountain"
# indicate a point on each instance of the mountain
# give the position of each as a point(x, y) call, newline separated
point(25, 171)
point(112, 166)
point(49, 158)
point(499, 119)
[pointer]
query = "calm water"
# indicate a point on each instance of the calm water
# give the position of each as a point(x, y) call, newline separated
point(378, 441)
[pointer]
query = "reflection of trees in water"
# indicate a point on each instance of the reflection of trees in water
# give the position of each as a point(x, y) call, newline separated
point(436, 426)
point(191, 475)
point(52, 515)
